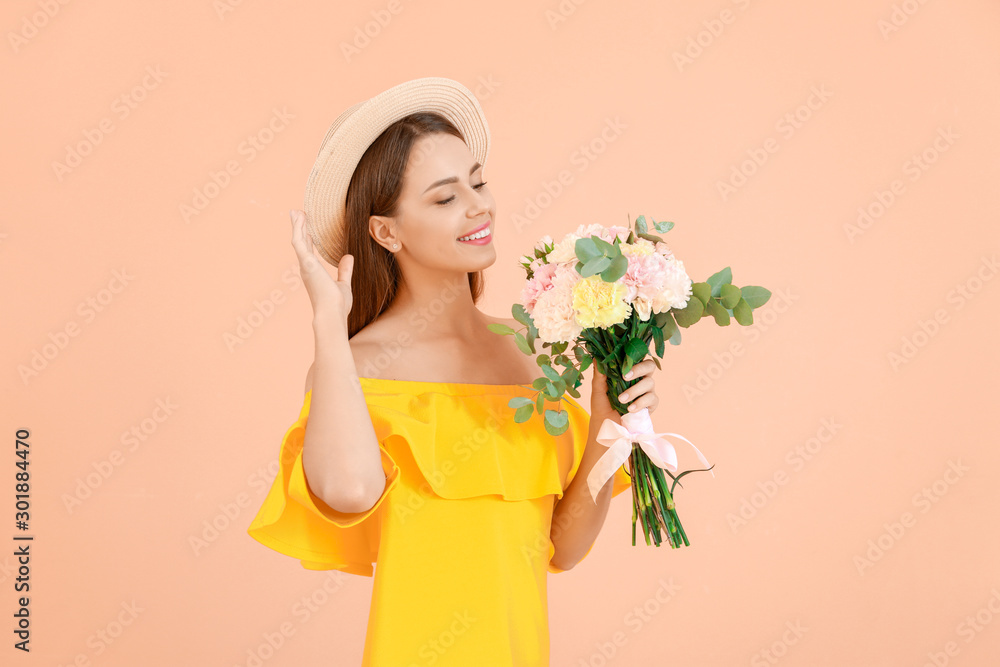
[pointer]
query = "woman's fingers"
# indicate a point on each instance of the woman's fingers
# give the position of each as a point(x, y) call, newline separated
point(649, 401)
point(636, 390)
point(302, 242)
point(640, 395)
point(644, 367)
point(345, 269)
point(298, 234)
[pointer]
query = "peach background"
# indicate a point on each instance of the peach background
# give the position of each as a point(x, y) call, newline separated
point(823, 352)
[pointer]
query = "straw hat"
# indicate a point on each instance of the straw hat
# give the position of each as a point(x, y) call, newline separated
point(360, 125)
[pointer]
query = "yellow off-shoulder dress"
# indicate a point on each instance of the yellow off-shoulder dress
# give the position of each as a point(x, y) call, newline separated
point(460, 535)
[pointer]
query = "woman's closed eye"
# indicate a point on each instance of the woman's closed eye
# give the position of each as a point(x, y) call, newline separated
point(448, 200)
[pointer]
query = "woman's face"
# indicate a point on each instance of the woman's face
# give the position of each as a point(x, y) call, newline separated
point(444, 198)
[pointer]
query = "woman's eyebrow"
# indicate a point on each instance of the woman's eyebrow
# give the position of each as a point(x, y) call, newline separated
point(451, 179)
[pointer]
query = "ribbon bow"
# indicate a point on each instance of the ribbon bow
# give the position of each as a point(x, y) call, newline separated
point(618, 438)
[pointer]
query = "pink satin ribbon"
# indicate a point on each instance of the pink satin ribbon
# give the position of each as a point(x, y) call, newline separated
point(618, 438)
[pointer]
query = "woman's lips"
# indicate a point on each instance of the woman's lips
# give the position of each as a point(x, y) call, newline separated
point(483, 241)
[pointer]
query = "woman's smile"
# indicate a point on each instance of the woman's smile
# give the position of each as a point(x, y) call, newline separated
point(480, 236)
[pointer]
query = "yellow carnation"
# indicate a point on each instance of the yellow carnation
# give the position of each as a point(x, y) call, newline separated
point(600, 304)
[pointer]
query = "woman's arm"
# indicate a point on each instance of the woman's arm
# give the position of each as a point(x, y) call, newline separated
point(576, 519)
point(340, 451)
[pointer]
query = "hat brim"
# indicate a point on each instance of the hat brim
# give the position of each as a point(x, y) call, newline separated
point(356, 128)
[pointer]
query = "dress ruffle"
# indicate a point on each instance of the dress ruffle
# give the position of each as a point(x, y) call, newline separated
point(462, 450)
point(296, 522)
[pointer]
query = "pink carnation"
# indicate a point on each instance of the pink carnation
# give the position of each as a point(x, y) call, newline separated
point(540, 282)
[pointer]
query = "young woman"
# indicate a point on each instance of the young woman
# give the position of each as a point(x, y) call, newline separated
point(405, 453)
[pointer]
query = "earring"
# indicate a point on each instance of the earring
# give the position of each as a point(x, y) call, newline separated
point(395, 245)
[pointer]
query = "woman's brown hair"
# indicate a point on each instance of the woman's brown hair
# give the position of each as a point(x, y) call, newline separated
point(374, 190)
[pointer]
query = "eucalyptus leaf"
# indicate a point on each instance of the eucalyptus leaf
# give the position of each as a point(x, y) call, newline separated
point(594, 266)
point(703, 291)
point(619, 265)
point(690, 313)
point(554, 431)
point(730, 295)
point(668, 327)
point(557, 418)
point(756, 296)
point(716, 310)
point(499, 328)
point(523, 413)
point(743, 313)
point(717, 280)
point(586, 249)
point(663, 227)
point(522, 343)
point(675, 338)
point(520, 314)
point(605, 248)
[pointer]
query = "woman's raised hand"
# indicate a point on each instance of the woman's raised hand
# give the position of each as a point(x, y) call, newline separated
point(331, 297)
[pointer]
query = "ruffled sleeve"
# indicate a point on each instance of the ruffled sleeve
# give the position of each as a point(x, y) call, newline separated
point(620, 481)
point(294, 521)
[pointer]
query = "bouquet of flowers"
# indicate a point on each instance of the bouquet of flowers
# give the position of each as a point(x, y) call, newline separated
point(605, 296)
